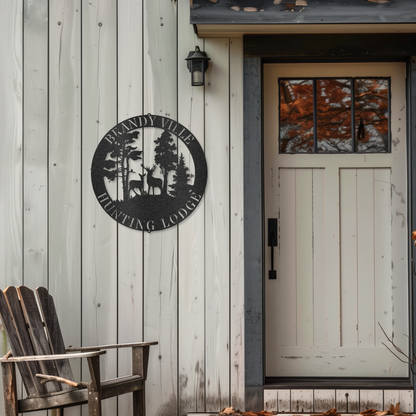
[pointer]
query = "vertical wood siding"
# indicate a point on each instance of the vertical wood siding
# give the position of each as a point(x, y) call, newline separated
point(11, 156)
point(217, 282)
point(130, 245)
point(161, 248)
point(191, 240)
point(237, 369)
point(65, 210)
point(71, 70)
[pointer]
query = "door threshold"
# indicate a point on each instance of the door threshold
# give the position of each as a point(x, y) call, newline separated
point(337, 383)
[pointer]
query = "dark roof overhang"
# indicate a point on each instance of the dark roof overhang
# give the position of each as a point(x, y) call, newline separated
point(257, 16)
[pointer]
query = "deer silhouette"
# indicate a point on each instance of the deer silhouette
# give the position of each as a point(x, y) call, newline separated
point(137, 184)
point(152, 182)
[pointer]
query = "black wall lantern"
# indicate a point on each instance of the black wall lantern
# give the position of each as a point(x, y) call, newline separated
point(197, 65)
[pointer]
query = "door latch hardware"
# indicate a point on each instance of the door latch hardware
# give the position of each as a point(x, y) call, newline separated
point(272, 242)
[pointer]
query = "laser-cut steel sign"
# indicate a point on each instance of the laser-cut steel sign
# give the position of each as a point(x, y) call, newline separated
point(149, 173)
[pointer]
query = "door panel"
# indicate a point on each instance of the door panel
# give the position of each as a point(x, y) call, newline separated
point(365, 206)
point(342, 249)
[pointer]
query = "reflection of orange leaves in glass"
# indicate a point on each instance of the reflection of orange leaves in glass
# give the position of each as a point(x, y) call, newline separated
point(301, 108)
point(284, 112)
point(296, 116)
point(414, 236)
point(371, 108)
point(334, 113)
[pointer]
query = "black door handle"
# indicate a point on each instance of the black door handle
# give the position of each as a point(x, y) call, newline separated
point(272, 240)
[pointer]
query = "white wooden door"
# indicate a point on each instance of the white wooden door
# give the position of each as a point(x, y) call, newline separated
point(341, 259)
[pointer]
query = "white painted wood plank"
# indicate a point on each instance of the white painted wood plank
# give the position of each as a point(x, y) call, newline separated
point(287, 250)
point(272, 180)
point(282, 315)
point(336, 362)
point(371, 399)
point(204, 414)
point(99, 245)
point(383, 256)
point(283, 401)
point(348, 401)
point(333, 254)
point(130, 242)
point(302, 401)
point(35, 143)
point(65, 171)
point(365, 257)
point(160, 248)
point(236, 225)
point(304, 257)
point(217, 225)
point(320, 292)
point(130, 62)
point(406, 401)
point(11, 159)
point(191, 241)
point(349, 301)
point(160, 320)
point(400, 240)
point(270, 400)
point(403, 397)
point(323, 400)
point(35, 123)
point(391, 397)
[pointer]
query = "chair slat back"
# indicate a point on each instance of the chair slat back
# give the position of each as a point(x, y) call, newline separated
point(53, 331)
point(14, 323)
point(37, 334)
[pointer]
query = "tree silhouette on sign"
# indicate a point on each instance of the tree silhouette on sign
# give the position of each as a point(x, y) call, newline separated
point(181, 187)
point(165, 157)
point(118, 163)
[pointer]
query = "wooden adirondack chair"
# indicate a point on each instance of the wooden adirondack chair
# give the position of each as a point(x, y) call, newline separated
point(38, 349)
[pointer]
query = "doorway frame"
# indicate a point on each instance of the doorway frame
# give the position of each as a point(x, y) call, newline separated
point(261, 49)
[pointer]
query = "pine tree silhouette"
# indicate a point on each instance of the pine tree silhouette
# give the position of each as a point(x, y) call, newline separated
point(180, 187)
point(118, 164)
point(165, 157)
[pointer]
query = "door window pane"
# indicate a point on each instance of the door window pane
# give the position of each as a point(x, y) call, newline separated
point(333, 98)
point(371, 115)
point(296, 116)
point(334, 115)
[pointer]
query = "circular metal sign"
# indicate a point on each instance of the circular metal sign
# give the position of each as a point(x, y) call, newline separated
point(149, 173)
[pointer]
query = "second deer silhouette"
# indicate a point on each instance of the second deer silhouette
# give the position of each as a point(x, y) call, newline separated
point(152, 182)
point(137, 184)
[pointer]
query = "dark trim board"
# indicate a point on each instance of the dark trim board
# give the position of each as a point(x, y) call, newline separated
point(342, 46)
point(253, 240)
point(310, 12)
point(253, 201)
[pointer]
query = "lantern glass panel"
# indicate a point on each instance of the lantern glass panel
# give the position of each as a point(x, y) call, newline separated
point(197, 73)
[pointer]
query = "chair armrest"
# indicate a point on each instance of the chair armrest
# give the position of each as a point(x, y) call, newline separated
point(51, 357)
point(107, 347)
